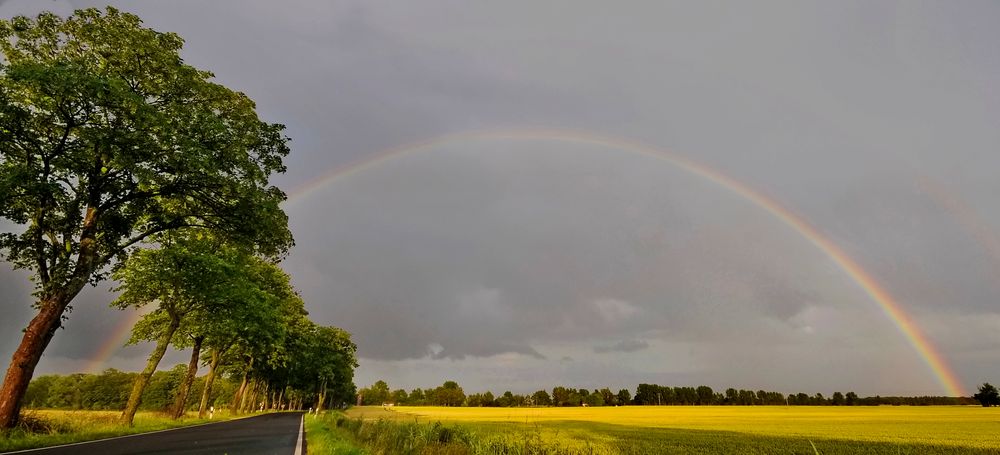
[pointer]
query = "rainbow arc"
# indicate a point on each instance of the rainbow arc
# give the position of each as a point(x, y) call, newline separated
point(886, 303)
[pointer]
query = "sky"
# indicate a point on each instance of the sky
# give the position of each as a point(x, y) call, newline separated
point(524, 258)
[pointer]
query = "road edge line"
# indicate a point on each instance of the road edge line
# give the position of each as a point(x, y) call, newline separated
point(131, 435)
point(302, 432)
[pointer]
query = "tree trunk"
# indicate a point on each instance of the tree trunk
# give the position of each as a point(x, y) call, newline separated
point(322, 397)
point(43, 326)
point(237, 404)
point(206, 392)
point(250, 397)
point(128, 415)
point(180, 405)
point(36, 338)
point(247, 397)
point(264, 397)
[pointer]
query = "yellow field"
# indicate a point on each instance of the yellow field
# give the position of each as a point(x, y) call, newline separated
point(955, 426)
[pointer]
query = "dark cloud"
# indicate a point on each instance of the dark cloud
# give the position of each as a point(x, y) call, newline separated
point(486, 260)
point(622, 346)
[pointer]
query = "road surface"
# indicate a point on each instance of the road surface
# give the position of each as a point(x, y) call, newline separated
point(278, 434)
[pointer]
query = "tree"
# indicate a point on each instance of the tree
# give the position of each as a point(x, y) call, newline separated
point(560, 396)
point(988, 395)
point(417, 397)
point(255, 317)
point(191, 278)
point(449, 394)
point(107, 138)
point(594, 399)
point(541, 398)
point(705, 395)
point(264, 361)
point(610, 399)
point(624, 397)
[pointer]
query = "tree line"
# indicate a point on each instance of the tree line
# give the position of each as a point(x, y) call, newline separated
point(238, 315)
point(645, 394)
point(109, 390)
point(119, 160)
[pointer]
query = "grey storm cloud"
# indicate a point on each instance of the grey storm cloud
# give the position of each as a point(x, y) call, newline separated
point(622, 346)
point(493, 261)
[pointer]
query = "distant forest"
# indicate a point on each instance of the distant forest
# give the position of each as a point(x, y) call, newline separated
point(451, 394)
point(110, 389)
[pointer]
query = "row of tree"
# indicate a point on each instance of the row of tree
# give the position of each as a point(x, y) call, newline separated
point(645, 394)
point(238, 313)
point(448, 394)
point(116, 157)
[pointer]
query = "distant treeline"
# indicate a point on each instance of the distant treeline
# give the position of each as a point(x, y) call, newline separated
point(451, 394)
point(110, 390)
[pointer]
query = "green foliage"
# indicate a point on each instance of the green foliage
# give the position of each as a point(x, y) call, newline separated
point(159, 394)
point(387, 437)
point(110, 389)
point(448, 394)
point(375, 395)
point(988, 395)
point(325, 438)
point(107, 137)
point(541, 398)
point(65, 392)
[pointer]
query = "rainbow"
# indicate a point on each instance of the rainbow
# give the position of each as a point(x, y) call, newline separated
point(879, 295)
point(966, 216)
point(119, 335)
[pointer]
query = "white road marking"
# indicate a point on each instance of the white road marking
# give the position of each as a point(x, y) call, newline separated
point(36, 449)
point(302, 432)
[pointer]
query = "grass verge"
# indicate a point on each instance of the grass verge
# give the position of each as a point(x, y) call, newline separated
point(44, 428)
point(324, 437)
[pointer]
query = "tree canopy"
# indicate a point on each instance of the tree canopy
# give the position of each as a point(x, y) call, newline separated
point(107, 138)
point(988, 395)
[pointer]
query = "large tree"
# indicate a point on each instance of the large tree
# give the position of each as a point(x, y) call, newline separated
point(106, 138)
point(255, 317)
point(988, 395)
point(190, 279)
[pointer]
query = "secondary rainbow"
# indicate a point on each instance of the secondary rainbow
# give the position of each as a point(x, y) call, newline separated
point(945, 376)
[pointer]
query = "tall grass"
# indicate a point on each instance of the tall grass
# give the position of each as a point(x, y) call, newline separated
point(388, 436)
point(324, 437)
point(43, 428)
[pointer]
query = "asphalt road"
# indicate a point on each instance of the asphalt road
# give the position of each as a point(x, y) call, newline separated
point(265, 434)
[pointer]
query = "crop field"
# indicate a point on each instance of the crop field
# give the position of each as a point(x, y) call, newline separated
point(709, 429)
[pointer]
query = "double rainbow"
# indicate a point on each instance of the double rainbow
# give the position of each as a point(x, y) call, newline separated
point(945, 376)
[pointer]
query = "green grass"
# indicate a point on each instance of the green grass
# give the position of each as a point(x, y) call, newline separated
point(670, 430)
point(43, 428)
point(324, 437)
